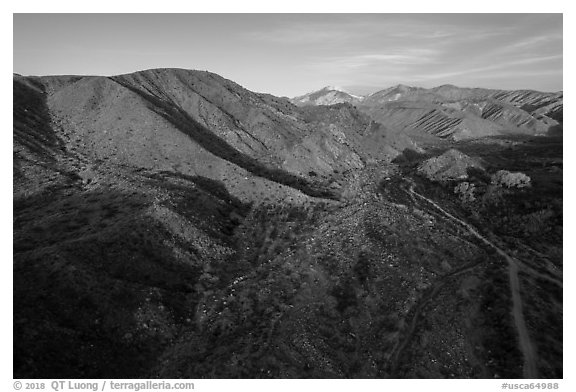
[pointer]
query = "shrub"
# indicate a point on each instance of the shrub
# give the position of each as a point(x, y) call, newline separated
point(508, 179)
point(465, 191)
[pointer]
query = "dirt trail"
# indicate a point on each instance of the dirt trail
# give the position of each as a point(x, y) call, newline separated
point(529, 369)
point(430, 295)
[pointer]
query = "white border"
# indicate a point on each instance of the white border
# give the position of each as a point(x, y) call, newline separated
point(298, 6)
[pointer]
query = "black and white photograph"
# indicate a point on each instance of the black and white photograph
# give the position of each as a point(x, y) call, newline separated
point(287, 196)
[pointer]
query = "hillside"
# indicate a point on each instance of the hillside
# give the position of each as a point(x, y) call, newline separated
point(131, 186)
point(170, 223)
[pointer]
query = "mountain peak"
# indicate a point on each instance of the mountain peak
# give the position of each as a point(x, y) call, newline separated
point(403, 86)
point(446, 87)
point(335, 88)
point(328, 95)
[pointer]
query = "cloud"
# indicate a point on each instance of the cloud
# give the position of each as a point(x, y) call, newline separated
point(402, 56)
point(363, 30)
point(487, 68)
point(392, 57)
point(405, 48)
point(533, 42)
point(298, 35)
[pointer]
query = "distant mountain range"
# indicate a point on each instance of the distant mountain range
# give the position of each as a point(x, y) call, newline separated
point(453, 112)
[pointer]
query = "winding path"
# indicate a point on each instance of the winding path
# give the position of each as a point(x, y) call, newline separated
point(438, 285)
point(526, 346)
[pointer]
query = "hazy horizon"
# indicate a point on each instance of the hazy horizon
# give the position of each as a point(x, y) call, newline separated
point(293, 54)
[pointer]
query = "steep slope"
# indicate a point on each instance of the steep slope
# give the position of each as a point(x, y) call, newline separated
point(527, 97)
point(511, 117)
point(456, 113)
point(104, 277)
point(108, 122)
point(546, 107)
point(550, 104)
point(439, 120)
point(38, 152)
point(199, 123)
point(106, 255)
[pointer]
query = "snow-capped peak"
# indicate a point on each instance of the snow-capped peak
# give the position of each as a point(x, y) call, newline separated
point(342, 90)
point(328, 95)
point(335, 88)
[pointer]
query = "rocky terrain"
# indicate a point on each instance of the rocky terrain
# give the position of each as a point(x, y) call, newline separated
point(170, 223)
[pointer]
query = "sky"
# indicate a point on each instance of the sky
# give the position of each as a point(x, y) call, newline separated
point(291, 54)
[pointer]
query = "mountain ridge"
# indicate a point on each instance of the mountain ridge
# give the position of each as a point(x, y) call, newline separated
point(244, 131)
point(449, 113)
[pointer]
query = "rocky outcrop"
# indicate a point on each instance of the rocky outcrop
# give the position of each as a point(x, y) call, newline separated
point(451, 165)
